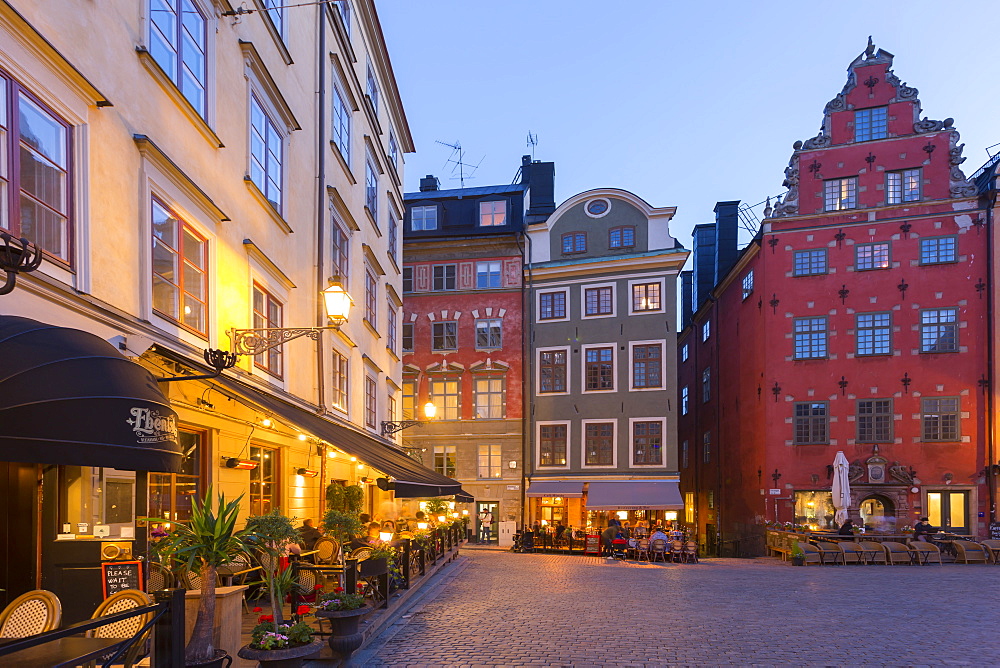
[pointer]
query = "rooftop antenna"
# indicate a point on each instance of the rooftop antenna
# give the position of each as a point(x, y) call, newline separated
point(457, 161)
point(532, 143)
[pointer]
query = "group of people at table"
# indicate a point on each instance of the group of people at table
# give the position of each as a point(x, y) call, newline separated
point(616, 531)
point(309, 534)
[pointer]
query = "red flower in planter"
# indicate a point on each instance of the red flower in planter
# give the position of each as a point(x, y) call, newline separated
point(265, 618)
point(302, 609)
point(360, 586)
point(317, 587)
point(258, 609)
point(338, 590)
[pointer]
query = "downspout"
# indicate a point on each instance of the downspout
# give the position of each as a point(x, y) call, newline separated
point(320, 224)
point(991, 477)
point(526, 363)
point(718, 429)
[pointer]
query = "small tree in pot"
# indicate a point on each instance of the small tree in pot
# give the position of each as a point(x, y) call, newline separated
point(270, 533)
point(207, 541)
point(342, 526)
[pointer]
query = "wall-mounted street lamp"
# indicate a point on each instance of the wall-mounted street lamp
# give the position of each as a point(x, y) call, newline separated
point(17, 256)
point(256, 341)
point(390, 427)
point(337, 303)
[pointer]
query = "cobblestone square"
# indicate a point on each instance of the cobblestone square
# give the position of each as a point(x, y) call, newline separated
point(506, 609)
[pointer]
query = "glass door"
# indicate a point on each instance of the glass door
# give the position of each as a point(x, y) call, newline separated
point(949, 510)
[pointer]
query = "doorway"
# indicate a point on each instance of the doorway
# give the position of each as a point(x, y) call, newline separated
point(878, 513)
point(492, 507)
point(949, 510)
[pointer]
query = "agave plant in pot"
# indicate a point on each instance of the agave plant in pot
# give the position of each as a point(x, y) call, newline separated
point(207, 541)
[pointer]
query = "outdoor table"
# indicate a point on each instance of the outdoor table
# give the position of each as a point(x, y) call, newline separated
point(994, 553)
point(920, 557)
point(63, 653)
point(867, 555)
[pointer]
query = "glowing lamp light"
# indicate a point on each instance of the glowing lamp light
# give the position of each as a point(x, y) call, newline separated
point(337, 302)
point(670, 515)
point(385, 536)
point(243, 464)
point(307, 473)
point(623, 514)
point(303, 437)
point(442, 518)
point(266, 423)
point(430, 410)
point(421, 525)
point(465, 512)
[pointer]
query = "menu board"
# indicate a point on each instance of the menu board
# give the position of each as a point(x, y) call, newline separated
point(121, 575)
point(995, 530)
point(592, 544)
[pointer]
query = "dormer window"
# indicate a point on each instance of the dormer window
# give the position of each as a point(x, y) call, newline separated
point(871, 124)
point(574, 242)
point(492, 214)
point(622, 237)
point(423, 218)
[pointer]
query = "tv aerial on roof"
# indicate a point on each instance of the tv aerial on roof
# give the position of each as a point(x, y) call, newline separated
point(464, 169)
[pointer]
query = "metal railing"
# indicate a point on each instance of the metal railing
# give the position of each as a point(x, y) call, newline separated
point(167, 624)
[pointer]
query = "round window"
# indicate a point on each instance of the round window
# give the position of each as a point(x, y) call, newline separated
point(597, 207)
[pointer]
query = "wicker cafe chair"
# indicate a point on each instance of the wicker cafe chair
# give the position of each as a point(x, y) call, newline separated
point(126, 628)
point(876, 554)
point(925, 553)
point(642, 549)
point(827, 549)
point(29, 614)
point(327, 550)
point(691, 552)
point(676, 551)
point(159, 577)
point(658, 548)
point(853, 553)
point(993, 547)
point(969, 551)
point(361, 553)
point(896, 552)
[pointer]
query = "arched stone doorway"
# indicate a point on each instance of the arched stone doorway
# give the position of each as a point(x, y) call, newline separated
point(878, 513)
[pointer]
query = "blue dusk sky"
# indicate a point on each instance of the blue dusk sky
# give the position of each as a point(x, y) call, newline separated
point(683, 104)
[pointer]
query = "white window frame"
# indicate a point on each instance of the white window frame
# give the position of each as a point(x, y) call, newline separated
point(685, 352)
point(645, 281)
point(538, 305)
point(343, 117)
point(631, 441)
point(492, 213)
point(615, 370)
point(538, 370)
point(503, 394)
point(489, 273)
point(583, 444)
point(268, 114)
point(372, 89)
point(489, 465)
point(423, 227)
point(538, 444)
point(663, 365)
point(706, 330)
point(747, 284)
point(614, 300)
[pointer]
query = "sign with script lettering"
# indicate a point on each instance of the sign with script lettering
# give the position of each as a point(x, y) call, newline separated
point(121, 575)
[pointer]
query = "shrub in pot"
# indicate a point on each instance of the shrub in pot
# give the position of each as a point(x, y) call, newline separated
point(270, 533)
point(281, 645)
point(344, 610)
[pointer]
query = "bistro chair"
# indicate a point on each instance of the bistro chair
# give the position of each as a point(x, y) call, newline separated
point(924, 553)
point(676, 551)
point(659, 549)
point(969, 551)
point(191, 579)
point(896, 552)
point(810, 553)
point(159, 577)
point(29, 614)
point(126, 628)
point(831, 550)
point(993, 547)
point(852, 553)
point(327, 550)
point(876, 555)
point(642, 549)
point(361, 553)
point(691, 552)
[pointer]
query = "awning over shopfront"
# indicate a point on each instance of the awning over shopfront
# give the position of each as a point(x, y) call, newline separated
point(634, 495)
point(565, 489)
point(464, 497)
point(69, 397)
point(409, 478)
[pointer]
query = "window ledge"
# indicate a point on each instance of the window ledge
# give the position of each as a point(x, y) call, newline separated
point(171, 89)
point(343, 162)
point(264, 202)
point(371, 219)
point(371, 328)
point(392, 353)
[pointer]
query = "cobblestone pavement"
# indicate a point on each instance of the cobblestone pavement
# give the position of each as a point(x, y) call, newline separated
point(508, 609)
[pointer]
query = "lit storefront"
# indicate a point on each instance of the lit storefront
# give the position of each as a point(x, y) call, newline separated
point(591, 503)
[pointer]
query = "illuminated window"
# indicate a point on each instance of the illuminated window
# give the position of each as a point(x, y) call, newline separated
point(264, 482)
point(646, 297)
point(552, 445)
point(489, 397)
point(446, 396)
point(902, 186)
point(171, 494)
point(180, 264)
point(489, 462)
point(492, 214)
point(409, 399)
point(841, 194)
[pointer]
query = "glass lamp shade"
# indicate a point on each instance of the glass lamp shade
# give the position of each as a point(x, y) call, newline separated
point(421, 525)
point(430, 410)
point(338, 303)
point(385, 536)
point(442, 518)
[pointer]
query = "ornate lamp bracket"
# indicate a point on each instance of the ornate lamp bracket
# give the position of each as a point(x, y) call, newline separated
point(257, 341)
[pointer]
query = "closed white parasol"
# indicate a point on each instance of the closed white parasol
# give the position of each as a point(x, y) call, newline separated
point(841, 487)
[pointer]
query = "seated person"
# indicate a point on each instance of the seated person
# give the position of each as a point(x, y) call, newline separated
point(421, 516)
point(923, 530)
point(659, 534)
point(847, 528)
point(365, 518)
point(560, 529)
point(308, 534)
point(640, 530)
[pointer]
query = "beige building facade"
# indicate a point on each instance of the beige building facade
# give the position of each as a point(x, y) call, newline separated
point(190, 167)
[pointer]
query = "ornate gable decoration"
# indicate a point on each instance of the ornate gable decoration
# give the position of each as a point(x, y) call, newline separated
point(788, 205)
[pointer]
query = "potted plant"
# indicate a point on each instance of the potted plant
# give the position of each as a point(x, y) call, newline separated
point(270, 533)
point(345, 498)
point(281, 645)
point(798, 556)
point(436, 508)
point(341, 525)
point(207, 541)
point(344, 610)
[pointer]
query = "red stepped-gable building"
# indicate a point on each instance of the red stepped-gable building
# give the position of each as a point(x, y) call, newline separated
point(855, 321)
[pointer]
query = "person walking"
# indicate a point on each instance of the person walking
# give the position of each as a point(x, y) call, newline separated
point(485, 525)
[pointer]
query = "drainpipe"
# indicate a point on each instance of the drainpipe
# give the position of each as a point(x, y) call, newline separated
point(718, 429)
point(526, 363)
point(320, 223)
point(991, 478)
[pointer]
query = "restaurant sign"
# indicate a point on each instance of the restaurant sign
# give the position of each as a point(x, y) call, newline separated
point(151, 427)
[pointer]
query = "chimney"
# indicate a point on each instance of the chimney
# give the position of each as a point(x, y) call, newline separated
point(727, 222)
point(704, 263)
point(687, 294)
point(540, 178)
point(429, 183)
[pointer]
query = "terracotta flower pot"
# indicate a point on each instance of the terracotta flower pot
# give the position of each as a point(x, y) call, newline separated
point(345, 638)
point(287, 657)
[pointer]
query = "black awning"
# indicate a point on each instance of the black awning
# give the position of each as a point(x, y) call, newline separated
point(464, 497)
point(69, 397)
point(410, 478)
